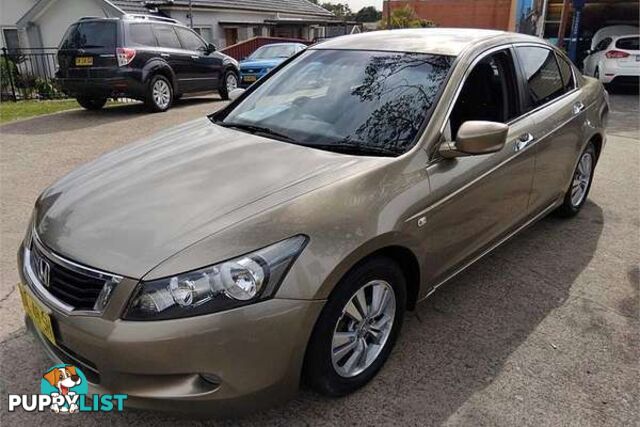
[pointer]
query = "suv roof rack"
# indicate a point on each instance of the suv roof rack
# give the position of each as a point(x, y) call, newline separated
point(152, 18)
point(85, 18)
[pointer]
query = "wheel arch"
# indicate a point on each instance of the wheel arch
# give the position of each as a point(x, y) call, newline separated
point(155, 67)
point(399, 252)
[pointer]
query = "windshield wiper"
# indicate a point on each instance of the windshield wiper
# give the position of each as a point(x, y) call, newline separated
point(259, 130)
point(346, 148)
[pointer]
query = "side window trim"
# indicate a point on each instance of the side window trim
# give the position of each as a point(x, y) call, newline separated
point(559, 58)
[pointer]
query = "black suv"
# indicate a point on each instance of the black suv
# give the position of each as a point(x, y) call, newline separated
point(153, 59)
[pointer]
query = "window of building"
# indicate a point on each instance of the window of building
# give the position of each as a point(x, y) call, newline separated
point(205, 33)
point(544, 82)
point(10, 38)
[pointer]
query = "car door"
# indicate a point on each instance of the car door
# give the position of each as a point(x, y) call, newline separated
point(555, 104)
point(170, 50)
point(206, 66)
point(478, 200)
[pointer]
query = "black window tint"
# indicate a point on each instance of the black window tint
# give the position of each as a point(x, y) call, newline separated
point(89, 35)
point(166, 36)
point(489, 93)
point(542, 74)
point(566, 73)
point(141, 35)
point(604, 43)
point(628, 43)
point(189, 40)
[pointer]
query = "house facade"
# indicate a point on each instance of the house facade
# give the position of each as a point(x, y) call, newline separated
point(42, 23)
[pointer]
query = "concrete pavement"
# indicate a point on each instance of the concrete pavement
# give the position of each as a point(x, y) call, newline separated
point(544, 331)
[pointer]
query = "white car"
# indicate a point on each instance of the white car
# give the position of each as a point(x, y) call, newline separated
point(614, 56)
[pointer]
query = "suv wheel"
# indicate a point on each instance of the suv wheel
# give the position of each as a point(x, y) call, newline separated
point(357, 328)
point(159, 94)
point(580, 184)
point(229, 83)
point(92, 104)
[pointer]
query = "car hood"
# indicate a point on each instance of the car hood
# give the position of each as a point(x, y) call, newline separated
point(261, 63)
point(131, 209)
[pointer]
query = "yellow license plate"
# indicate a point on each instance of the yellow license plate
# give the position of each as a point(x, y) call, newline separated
point(40, 319)
point(249, 78)
point(84, 60)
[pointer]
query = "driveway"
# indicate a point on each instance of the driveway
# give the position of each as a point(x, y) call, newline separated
point(545, 330)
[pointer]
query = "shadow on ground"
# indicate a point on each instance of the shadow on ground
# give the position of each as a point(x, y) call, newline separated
point(84, 119)
point(452, 346)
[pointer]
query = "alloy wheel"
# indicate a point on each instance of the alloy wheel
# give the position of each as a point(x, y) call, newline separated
point(581, 179)
point(231, 82)
point(161, 94)
point(363, 328)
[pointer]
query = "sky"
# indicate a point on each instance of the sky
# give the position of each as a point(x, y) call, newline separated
point(356, 5)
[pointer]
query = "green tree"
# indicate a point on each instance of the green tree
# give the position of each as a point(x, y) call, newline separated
point(368, 14)
point(405, 17)
point(341, 10)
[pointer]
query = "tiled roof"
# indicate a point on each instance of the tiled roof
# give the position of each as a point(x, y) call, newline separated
point(283, 6)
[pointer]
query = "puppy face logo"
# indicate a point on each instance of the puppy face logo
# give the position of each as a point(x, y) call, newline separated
point(64, 380)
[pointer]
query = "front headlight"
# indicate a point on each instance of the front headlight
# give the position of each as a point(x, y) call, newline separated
point(239, 281)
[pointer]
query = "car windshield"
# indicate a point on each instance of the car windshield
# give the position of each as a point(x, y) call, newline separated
point(280, 51)
point(87, 35)
point(360, 102)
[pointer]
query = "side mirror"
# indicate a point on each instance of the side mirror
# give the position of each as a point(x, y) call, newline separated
point(476, 138)
point(211, 48)
point(235, 94)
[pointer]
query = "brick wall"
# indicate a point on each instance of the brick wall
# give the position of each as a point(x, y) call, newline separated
point(492, 14)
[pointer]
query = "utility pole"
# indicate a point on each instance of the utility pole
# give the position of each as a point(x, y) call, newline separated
point(388, 14)
point(190, 15)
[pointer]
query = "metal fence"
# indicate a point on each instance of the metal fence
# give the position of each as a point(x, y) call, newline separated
point(29, 74)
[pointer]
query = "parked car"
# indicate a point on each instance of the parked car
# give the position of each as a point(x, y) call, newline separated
point(264, 59)
point(214, 266)
point(614, 56)
point(152, 59)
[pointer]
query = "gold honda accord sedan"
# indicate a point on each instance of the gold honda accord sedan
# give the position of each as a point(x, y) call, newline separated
point(220, 264)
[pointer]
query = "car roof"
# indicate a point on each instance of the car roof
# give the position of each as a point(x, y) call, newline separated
point(442, 41)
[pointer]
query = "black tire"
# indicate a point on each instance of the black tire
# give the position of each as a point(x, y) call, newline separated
point(224, 93)
point(319, 372)
point(569, 207)
point(91, 104)
point(151, 102)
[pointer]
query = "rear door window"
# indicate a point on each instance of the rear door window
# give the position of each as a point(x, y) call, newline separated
point(189, 40)
point(628, 43)
point(544, 82)
point(90, 35)
point(141, 35)
point(166, 36)
point(566, 73)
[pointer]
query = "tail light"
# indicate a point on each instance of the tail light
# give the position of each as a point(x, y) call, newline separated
point(616, 54)
point(125, 55)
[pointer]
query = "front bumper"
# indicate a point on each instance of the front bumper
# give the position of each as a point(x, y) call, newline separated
point(252, 355)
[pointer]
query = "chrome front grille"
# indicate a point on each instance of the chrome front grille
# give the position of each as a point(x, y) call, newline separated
point(70, 286)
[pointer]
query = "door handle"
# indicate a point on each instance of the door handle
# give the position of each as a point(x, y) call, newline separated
point(165, 55)
point(578, 107)
point(523, 141)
